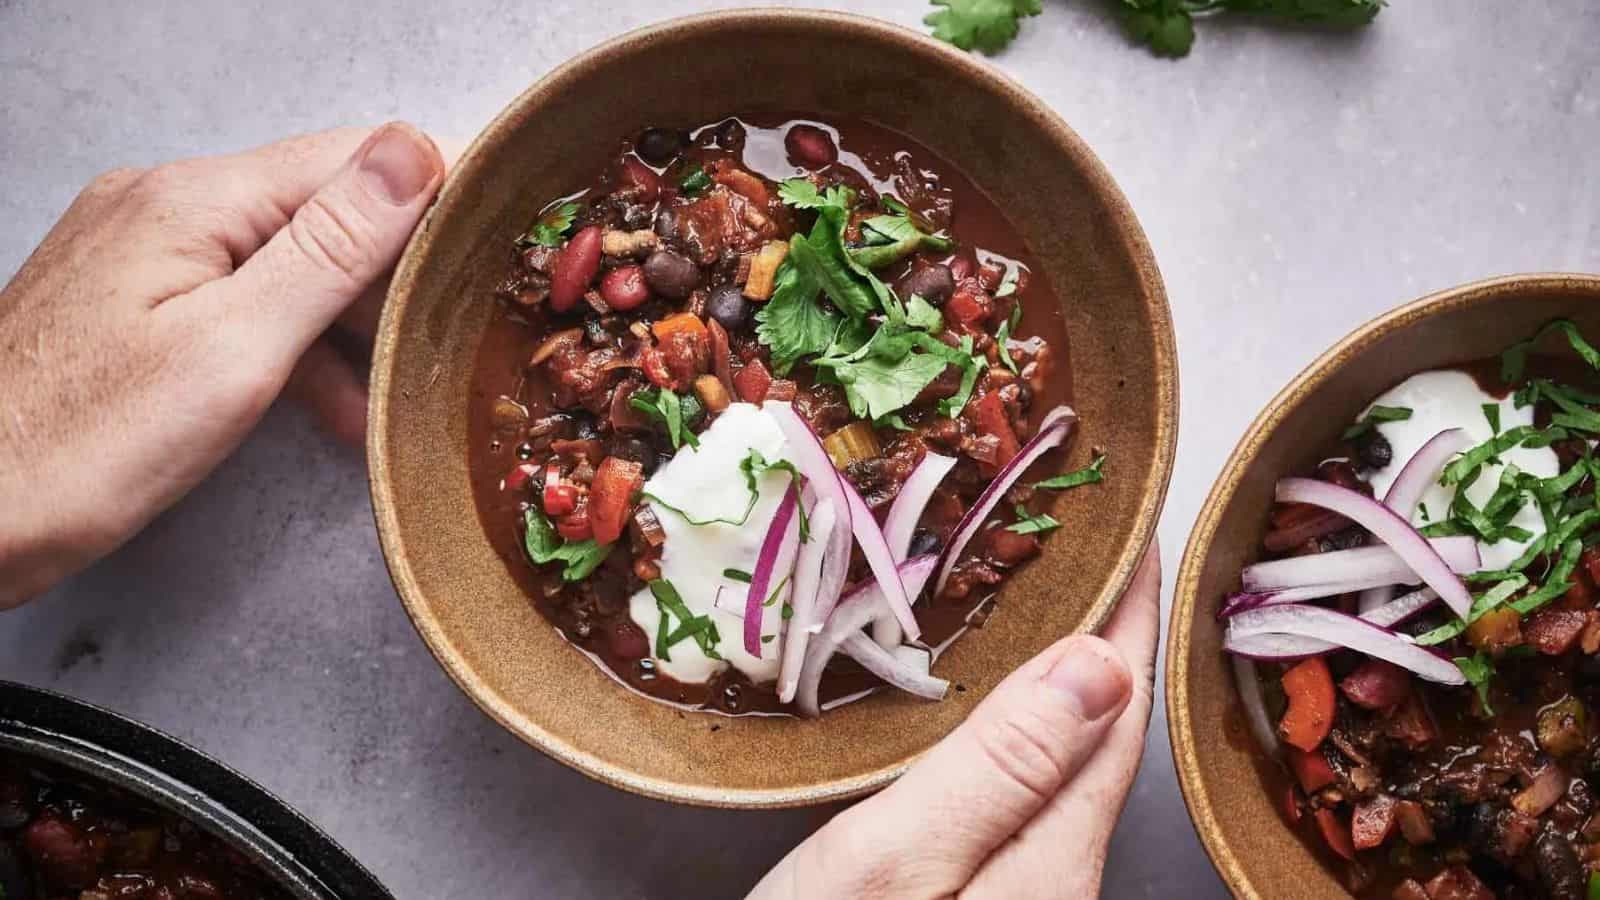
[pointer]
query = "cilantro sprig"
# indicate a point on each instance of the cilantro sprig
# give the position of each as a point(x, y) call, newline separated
point(579, 559)
point(1374, 416)
point(673, 413)
point(552, 227)
point(1031, 524)
point(1090, 474)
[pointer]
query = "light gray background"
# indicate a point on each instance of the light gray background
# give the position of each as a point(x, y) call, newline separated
point(1293, 184)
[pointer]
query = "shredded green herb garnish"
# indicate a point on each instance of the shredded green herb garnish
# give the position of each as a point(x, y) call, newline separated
point(695, 181)
point(675, 414)
point(739, 575)
point(1090, 474)
point(1478, 670)
point(1028, 524)
point(1491, 412)
point(552, 227)
point(1373, 417)
point(543, 545)
point(701, 628)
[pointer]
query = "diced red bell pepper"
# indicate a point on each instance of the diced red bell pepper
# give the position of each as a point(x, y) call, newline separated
point(1554, 631)
point(1310, 768)
point(752, 381)
point(576, 526)
point(1335, 833)
point(992, 419)
point(1309, 687)
point(969, 305)
point(560, 497)
point(611, 497)
point(1377, 685)
point(519, 476)
point(1373, 822)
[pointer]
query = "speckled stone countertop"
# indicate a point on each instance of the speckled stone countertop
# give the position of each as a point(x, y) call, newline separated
point(1293, 184)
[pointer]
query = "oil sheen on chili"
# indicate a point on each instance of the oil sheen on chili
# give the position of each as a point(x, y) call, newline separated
point(649, 315)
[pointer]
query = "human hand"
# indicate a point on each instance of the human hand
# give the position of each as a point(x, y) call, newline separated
point(162, 315)
point(1021, 799)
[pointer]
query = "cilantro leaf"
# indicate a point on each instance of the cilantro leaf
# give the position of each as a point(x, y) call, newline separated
point(1165, 25)
point(1089, 474)
point(552, 227)
point(923, 316)
point(1374, 416)
point(1514, 361)
point(672, 412)
point(891, 238)
point(1478, 669)
point(1027, 524)
point(701, 628)
point(792, 324)
point(695, 181)
point(884, 375)
point(1002, 336)
point(821, 258)
point(544, 545)
point(987, 25)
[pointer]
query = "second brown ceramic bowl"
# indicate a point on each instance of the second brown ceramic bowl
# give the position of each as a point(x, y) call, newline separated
point(489, 637)
point(1237, 820)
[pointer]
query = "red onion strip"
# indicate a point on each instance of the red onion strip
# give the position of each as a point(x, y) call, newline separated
point(901, 524)
point(856, 611)
point(1277, 646)
point(1406, 491)
point(885, 665)
point(807, 584)
point(766, 562)
point(1053, 430)
point(1255, 705)
point(1344, 631)
point(1373, 564)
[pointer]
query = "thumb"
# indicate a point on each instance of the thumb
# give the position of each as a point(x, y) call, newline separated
point(347, 235)
point(930, 831)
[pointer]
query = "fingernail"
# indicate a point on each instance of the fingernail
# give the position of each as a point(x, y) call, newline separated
point(399, 164)
point(1089, 680)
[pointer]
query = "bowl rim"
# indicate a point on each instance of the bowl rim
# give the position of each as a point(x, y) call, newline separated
point(1128, 233)
point(1185, 600)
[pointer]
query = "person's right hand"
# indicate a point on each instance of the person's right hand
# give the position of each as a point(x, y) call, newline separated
point(1021, 799)
point(165, 311)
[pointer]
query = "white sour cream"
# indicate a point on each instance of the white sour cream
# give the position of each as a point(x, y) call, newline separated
point(708, 483)
point(1452, 399)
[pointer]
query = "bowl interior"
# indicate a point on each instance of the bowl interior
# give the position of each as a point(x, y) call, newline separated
point(1238, 822)
point(491, 639)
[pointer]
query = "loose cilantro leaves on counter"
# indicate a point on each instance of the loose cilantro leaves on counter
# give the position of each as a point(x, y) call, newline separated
point(578, 558)
point(1089, 474)
point(1373, 417)
point(552, 227)
point(672, 412)
point(1027, 524)
point(987, 25)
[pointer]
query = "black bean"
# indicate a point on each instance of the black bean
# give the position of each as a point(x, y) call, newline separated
point(1374, 450)
point(670, 274)
point(730, 135)
point(924, 542)
point(634, 449)
point(728, 306)
point(659, 146)
point(933, 283)
point(1559, 870)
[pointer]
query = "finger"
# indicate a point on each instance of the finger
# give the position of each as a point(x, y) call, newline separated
point(337, 244)
point(327, 386)
point(926, 834)
point(1077, 823)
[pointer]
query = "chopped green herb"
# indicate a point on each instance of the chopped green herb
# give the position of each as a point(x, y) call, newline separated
point(1423, 508)
point(672, 412)
point(753, 466)
point(552, 227)
point(1002, 337)
point(923, 316)
point(1008, 286)
point(1089, 474)
point(1556, 584)
point(701, 628)
point(1484, 602)
point(773, 596)
point(765, 639)
point(544, 545)
point(739, 575)
point(1373, 417)
point(1027, 524)
point(695, 181)
point(787, 612)
point(891, 238)
point(1478, 669)
point(1491, 411)
point(1465, 467)
point(892, 420)
point(1514, 361)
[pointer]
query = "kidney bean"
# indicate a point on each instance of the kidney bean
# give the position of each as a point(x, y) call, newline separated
point(933, 283)
point(628, 641)
point(575, 266)
point(670, 274)
point(810, 147)
point(659, 146)
point(624, 288)
point(640, 176)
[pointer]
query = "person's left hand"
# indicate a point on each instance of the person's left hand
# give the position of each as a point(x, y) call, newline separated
point(1021, 799)
point(166, 310)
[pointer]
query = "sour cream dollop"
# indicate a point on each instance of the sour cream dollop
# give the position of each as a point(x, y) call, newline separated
point(708, 483)
point(1450, 398)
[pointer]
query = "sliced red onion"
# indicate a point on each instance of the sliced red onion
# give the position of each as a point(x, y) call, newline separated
point(1255, 705)
point(901, 525)
point(1053, 430)
point(1406, 491)
point(808, 569)
point(808, 454)
point(1401, 608)
point(887, 666)
point(1283, 646)
point(1387, 527)
point(856, 611)
point(766, 569)
point(1339, 629)
point(1379, 565)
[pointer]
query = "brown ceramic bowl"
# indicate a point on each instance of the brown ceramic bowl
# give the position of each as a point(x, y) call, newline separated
point(490, 638)
point(1238, 822)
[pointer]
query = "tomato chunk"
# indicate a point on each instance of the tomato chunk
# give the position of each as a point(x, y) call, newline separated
point(752, 381)
point(560, 497)
point(575, 526)
point(1311, 769)
point(1335, 833)
point(992, 419)
point(611, 497)
point(1309, 687)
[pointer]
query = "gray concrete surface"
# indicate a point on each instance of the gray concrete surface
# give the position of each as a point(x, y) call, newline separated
point(1293, 184)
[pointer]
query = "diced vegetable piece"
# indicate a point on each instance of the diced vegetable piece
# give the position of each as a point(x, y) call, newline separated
point(744, 184)
point(782, 389)
point(1496, 631)
point(969, 305)
point(992, 419)
point(560, 496)
point(852, 443)
point(1410, 889)
point(1458, 883)
point(611, 497)
point(647, 528)
point(1377, 685)
point(1373, 822)
point(1335, 833)
point(1415, 825)
point(1311, 769)
point(1562, 727)
point(764, 270)
point(713, 396)
point(1554, 631)
point(1542, 793)
point(575, 526)
point(680, 323)
point(752, 381)
point(519, 476)
point(1309, 687)
point(1411, 723)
